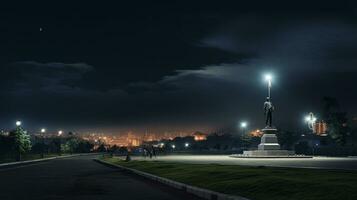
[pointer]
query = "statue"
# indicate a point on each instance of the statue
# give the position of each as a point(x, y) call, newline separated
point(268, 112)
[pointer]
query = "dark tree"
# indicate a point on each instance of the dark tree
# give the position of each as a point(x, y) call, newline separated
point(337, 121)
point(21, 142)
point(101, 148)
point(287, 139)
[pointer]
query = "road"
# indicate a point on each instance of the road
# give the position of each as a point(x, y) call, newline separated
point(79, 178)
point(316, 162)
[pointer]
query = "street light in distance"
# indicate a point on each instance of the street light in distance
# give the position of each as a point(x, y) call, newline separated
point(18, 123)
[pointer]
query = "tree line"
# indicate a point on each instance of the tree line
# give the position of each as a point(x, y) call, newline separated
point(17, 143)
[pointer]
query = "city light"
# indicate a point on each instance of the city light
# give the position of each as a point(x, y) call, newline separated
point(18, 123)
point(243, 124)
point(173, 146)
point(43, 130)
point(60, 133)
point(187, 145)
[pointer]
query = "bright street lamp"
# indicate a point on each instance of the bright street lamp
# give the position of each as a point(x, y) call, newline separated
point(173, 146)
point(310, 120)
point(59, 134)
point(18, 123)
point(187, 145)
point(43, 130)
point(243, 126)
point(268, 78)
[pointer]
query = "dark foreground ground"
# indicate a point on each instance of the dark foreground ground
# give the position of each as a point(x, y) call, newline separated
point(79, 178)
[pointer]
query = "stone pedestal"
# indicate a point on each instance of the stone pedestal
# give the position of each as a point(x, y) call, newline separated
point(268, 147)
point(269, 141)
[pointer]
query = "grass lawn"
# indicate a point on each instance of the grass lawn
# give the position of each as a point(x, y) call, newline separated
point(256, 182)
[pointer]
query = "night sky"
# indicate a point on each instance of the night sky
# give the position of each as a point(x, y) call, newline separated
point(174, 65)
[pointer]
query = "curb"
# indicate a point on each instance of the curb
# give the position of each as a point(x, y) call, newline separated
point(27, 162)
point(199, 192)
point(243, 156)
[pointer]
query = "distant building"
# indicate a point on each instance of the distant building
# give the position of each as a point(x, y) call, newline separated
point(320, 128)
point(198, 136)
point(256, 133)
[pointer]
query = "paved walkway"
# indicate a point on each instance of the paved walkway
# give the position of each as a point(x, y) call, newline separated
point(79, 178)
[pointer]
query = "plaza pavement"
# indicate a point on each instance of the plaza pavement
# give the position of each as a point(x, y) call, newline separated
point(346, 163)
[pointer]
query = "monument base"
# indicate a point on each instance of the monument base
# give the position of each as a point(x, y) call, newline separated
point(269, 148)
point(267, 153)
point(269, 141)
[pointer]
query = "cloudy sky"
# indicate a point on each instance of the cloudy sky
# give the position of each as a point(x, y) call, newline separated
point(173, 65)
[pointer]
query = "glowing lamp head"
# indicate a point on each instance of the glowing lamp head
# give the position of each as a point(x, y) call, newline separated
point(173, 146)
point(18, 123)
point(307, 118)
point(268, 77)
point(187, 144)
point(60, 133)
point(243, 124)
point(310, 118)
point(43, 130)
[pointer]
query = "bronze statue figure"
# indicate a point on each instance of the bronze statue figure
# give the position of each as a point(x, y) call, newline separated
point(268, 112)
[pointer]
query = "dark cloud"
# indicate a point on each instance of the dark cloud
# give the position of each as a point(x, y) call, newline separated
point(30, 77)
point(174, 65)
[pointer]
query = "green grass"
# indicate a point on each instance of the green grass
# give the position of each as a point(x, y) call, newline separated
point(256, 182)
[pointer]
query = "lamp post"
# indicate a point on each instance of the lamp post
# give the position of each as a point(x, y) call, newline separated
point(310, 120)
point(43, 131)
point(268, 78)
point(60, 132)
point(243, 126)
